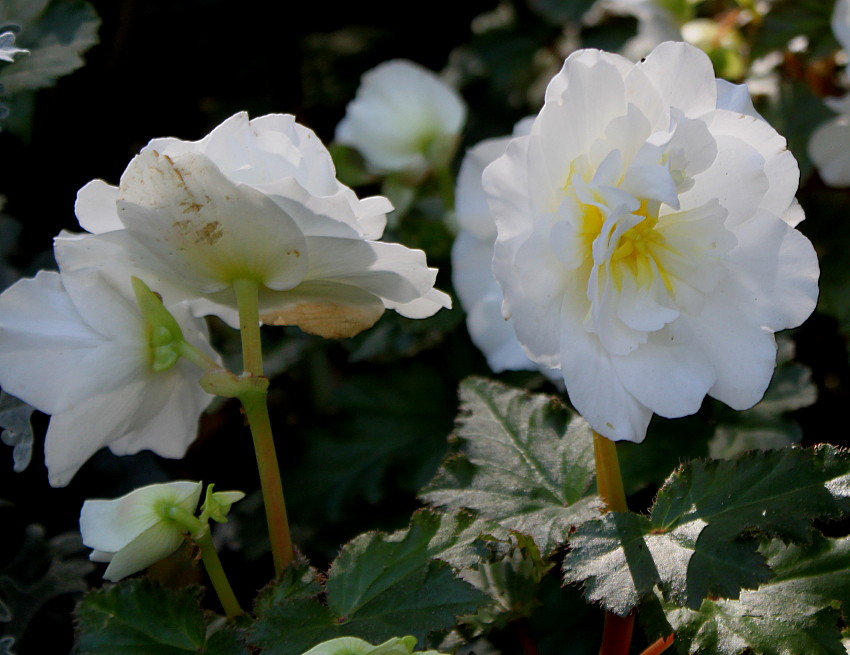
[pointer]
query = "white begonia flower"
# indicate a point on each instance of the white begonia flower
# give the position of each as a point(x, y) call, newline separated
point(404, 117)
point(135, 531)
point(645, 238)
point(254, 200)
point(829, 144)
point(74, 347)
point(472, 256)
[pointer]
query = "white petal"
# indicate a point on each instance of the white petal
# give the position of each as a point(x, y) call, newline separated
point(96, 207)
point(841, 23)
point(52, 356)
point(473, 212)
point(683, 76)
point(735, 97)
point(388, 270)
point(156, 543)
point(743, 354)
point(333, 310)
point(596, 390)
point(669, 374)
point(829, 148)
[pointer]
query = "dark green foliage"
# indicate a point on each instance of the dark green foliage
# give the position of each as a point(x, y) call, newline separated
point(139, 617)
point(380, 586)
point(42, 571)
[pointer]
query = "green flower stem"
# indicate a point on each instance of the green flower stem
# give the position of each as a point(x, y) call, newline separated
point(200, 534)
point(254, 402)
point(197, 357)
point(215, 571)
point(617, 633)
point(248, 301)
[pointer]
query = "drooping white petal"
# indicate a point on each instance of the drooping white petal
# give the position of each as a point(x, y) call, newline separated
point(154, 544)
point(207, 228)
point(597, 392)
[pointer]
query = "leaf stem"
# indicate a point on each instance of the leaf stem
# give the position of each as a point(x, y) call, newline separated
point(617, 633)
point(254, 402)
point(215, 571)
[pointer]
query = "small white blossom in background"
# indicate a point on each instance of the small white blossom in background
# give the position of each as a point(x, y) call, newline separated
point(74, 347)
point(646, 242)
point(403, 118)
point(134, 531)
point(829, 145)
point(254, 200)
point(8, 49)
point(472, 256)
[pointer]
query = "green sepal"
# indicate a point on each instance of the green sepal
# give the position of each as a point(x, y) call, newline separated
point(164, 333)
point(217, 504)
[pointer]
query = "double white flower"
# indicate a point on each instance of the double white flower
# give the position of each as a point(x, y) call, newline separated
point(75, 347)
point(255, 200)
point(404, 118)
point(645, 238)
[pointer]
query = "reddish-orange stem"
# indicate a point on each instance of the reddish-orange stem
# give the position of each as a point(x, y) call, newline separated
point(659, 646)
point(617, 634)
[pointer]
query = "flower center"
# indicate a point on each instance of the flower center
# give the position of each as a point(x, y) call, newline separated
point(640, 252)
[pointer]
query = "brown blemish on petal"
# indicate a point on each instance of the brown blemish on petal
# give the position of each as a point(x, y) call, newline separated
point(208, 233)
point(326, 319)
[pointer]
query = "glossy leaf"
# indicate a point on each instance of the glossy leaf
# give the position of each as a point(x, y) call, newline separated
point(699, 540)
point(378, 587)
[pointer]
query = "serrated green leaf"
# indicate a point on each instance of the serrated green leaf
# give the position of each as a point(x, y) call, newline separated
point(511, 581)
point(17, 430)
point(526, 462)
point(139, 617)
point(379, 586)
point(226, 641)
point(699, 540)
point(298, 580)
point(793, 614)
